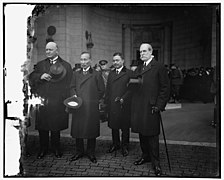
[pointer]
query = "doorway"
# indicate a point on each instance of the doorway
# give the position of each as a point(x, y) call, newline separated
point(157, 35)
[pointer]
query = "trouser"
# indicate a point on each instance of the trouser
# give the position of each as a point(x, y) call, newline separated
point(91, 145)
point(150, 148)
point(125, 133)
point(44, 139)
point(175, 92)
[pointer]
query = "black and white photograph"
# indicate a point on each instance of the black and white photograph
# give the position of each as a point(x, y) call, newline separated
point(117, 89)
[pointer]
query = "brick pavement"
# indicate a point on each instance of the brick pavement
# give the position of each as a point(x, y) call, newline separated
point(186, 161)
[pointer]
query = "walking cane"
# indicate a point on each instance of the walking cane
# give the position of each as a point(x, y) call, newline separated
point(164, 137)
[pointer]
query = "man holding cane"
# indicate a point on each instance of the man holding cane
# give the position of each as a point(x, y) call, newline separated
point(147, 102)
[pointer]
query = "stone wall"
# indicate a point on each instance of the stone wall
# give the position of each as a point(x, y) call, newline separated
point(106, 32)
point(191, 39)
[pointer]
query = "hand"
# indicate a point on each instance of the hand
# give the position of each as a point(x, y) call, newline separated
point(121, 100)
point(117, 99)
point(46, 77)
point(67, 109)
point(155, 109)
point(101, 101)
point(103, 106)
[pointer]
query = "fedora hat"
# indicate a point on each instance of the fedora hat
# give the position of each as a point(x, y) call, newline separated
point(57, 72)
point(73, 102)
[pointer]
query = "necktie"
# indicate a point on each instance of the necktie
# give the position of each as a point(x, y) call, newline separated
point(117, 72)
point(144, 66)
point(52, 61)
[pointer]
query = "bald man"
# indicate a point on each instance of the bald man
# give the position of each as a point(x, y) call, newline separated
point(148, 100)
point(51, 116)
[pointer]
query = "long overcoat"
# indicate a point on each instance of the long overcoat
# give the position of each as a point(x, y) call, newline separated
point(154, 91)
point(117, 86)
point(85, 120)
point(51, 115)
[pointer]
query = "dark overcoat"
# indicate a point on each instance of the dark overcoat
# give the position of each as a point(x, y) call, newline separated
point(154, 91)
point(117, 86)
point(52, 115)
point(85, 120)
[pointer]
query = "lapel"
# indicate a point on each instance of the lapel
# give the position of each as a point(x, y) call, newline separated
point(59, 60)
point(46, 65)
point(149, 67)
point(118, 76)
point(83, 78)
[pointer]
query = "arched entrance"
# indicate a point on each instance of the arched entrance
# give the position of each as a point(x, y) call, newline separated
point(158, 35)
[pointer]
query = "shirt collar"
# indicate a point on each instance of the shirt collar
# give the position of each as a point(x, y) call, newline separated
point(86, 69)
point(119, 70)
point(149, 60)
point(54, 60)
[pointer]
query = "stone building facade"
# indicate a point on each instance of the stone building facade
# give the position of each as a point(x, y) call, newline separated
point(182, 34)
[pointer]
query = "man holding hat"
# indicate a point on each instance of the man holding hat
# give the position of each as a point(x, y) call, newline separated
point(87, 83)
point(50, 81)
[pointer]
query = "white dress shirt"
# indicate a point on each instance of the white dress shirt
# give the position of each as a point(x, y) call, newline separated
point(53, 61)
point(148, 61)
point(119, 70)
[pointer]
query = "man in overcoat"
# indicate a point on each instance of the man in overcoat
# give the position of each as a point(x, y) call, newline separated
point(118, 104)
point(87, 84)
point(51, 116)
point(148, 100)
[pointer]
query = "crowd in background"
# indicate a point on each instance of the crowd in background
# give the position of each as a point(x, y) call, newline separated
point(194, 84)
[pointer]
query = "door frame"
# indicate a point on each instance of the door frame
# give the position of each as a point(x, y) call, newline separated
point(164, 48)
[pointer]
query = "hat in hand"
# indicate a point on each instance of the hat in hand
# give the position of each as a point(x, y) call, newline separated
point(57, 72)
point(73, 102)
point(135, 82)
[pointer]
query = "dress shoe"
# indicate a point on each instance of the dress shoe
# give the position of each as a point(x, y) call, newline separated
point(142, 161)
point(113, 148)
point(57, 153)
point(92, 158)
point(124, 151)
point(41, 154)
point(157, 170)
point(76, 157)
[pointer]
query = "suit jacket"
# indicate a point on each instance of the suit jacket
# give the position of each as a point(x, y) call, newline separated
point(154, 91)
point(85, 120)
point(51, 116)
point(117, 86)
